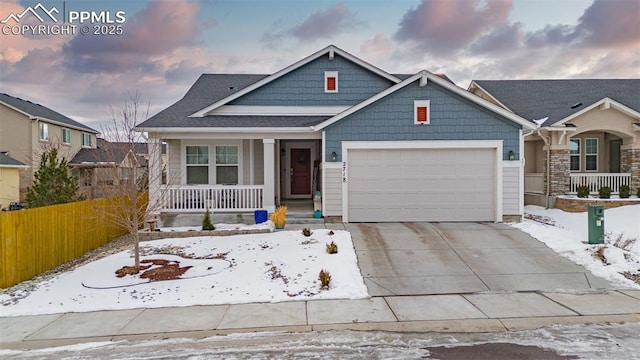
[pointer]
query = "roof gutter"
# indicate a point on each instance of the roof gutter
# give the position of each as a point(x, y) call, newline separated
point(307, 129)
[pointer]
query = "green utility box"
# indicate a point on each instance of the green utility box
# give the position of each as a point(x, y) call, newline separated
point(596, 224)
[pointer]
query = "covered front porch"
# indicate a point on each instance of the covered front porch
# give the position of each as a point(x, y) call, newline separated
point(564, 160)
point(234, 174)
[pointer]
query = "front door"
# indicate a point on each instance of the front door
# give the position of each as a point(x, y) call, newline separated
point(614, 157)
point(300, 171)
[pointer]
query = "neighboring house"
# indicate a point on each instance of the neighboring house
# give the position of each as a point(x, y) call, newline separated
point(589, 132)
point(102, 170)
point(9, 179)
point(379, 147)
point(28, 129)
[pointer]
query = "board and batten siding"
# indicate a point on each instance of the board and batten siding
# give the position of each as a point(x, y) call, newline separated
point(451, 118)
point(511, 190)
point(332, 196)
point(305, 86)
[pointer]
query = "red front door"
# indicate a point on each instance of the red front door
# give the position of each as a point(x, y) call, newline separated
point(300, 171)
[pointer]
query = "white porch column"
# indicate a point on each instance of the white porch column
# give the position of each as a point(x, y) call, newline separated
point(155, 173)
point(269, 194)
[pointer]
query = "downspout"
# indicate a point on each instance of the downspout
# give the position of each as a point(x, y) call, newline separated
point(547, 141)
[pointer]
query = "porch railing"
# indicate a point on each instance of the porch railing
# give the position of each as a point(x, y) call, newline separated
point(185, 198)
point(597, 180)
point(534, 183)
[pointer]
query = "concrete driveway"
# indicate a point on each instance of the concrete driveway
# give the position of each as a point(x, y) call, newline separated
point(448, 258)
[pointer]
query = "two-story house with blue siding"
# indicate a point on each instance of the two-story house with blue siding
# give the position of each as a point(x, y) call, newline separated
point(376, 146)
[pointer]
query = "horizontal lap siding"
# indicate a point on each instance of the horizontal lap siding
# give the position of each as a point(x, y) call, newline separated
point(173, 162)
point(333, 192)
point(511, 190)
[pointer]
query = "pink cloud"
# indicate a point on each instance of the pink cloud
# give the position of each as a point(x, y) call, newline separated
point(448, 25)
point(160, 28)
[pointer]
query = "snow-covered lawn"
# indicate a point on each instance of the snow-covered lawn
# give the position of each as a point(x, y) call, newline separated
point(567, 234)
point(272, 267)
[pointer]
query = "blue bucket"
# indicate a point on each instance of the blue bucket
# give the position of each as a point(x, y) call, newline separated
point(260, 216)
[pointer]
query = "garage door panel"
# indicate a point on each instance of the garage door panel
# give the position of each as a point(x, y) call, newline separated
point(421, 184)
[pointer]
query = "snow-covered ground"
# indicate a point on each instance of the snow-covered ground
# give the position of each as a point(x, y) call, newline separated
point(567, 234)
point(271, 267)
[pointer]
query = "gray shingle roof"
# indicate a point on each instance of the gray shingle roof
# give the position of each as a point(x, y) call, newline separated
point(539, 99)
point(6, 160)
point(39, 111)
point(208, 89)
point(88, 156)
point(138, 147)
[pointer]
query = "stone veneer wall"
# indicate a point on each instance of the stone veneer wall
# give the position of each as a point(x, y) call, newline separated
point(581, 205)
point(631, 164)
point(559, 167)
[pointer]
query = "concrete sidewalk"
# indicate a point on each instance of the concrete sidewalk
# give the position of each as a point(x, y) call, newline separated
point(476, 312)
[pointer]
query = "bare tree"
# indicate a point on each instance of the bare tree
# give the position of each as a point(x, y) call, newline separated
point(122, 171)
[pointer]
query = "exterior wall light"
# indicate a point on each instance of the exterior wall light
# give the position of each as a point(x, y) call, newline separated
point(512, 155)
point(334, 156)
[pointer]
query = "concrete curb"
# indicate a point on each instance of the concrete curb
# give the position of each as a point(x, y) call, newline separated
point(374, 314)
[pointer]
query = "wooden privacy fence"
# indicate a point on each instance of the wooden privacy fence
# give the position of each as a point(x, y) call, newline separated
point(36, 240)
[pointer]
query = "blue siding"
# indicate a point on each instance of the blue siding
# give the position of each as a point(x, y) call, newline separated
point(305, 86)
point(452, 118)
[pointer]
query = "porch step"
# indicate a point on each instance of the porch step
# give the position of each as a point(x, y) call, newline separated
point(304, 220)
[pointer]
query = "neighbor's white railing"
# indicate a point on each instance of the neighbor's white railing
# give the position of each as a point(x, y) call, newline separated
point(597, 180)
point(214, 197)
point(534, 183)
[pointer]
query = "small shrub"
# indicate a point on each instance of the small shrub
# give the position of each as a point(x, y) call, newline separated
point(332, 248)
point(625, 191)
point(325, 279)
point(583, 191)
point(279, 217)
point(307, 232)
point(604, 192)
point(599, 254)
point(206, 222)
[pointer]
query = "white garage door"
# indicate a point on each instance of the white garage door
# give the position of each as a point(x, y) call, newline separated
point(386, 185)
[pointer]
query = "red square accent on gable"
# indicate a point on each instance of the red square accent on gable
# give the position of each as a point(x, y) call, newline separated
point(331, 83)
point(421, 114)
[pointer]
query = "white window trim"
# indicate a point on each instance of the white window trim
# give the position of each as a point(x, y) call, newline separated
point(597, 155)
point(579, 155)
point(328, 74)
point(186, 164)
point(41, 134)
point(212, 154)
point(83, 144)
point(416, 105)
point(215, 165)
point(66, 142)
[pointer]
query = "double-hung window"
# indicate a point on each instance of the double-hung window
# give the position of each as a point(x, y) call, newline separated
point(86, 140)
point(574, 154)
point(43, 131)
point(66, 136)
point(227, 165)
point(197, 164)
point(591, 154)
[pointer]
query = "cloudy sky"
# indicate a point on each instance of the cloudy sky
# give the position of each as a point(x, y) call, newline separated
point(166, 44)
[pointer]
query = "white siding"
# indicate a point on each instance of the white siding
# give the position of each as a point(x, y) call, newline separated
point(246, 163)
point(511, 190)
point(258, 161)
point(332, 197)
point(173, 162)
